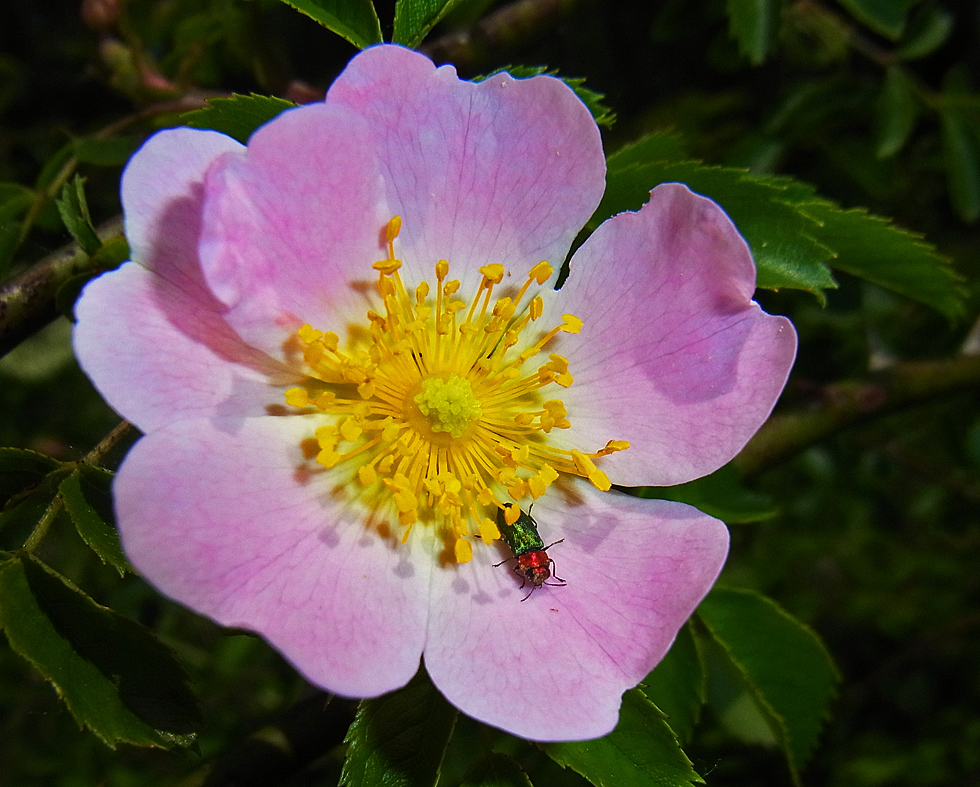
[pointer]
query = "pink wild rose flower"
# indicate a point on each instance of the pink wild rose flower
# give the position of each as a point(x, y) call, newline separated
point(345, 351)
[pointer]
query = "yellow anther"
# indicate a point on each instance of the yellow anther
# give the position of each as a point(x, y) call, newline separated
point(367, 390)
point(324, 400)
point(367, 475)
point(504, 308)
point(614, 445)
point(350, 430)
point(327, 435)
point(494, 272)
point(451, 287)
point(571, 323)
point(442, 270)
point(391, 430)
point(450, 482)
point(394, 227)
point(537, 307)
point(489, 531)
point(463, 551)
point(600, 481)
point(408, 517)
point(328, 457)
point(548, 473)
point(512, 514)
point(558, 363)
point(541, 272)
point(421, 293)
point(587, 468)
point(297, 397)
point(537, 486)
point(308, 334)
point(387, 267)
point(517, 489)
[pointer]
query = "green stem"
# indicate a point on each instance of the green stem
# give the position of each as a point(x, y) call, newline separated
point(27, 300)
point(854, 402)
point(107, 443)
point(94, 458)
point(44, 524)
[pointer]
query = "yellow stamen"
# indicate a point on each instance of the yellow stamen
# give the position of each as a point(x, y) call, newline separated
point(434, 414)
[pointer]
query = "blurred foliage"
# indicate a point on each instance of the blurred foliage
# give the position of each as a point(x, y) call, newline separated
point(870, 537)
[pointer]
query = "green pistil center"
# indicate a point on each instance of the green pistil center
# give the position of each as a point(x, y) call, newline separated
point(449, 404)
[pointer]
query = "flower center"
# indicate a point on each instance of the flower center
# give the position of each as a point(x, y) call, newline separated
point(436, 413)
point(449, 404)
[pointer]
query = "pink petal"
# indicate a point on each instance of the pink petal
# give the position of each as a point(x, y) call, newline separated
point(150, 335)
point(555, 666)
point(291, 230)
point(223, 517)
point(674, 355)
point(161, 196)
point(504, 171)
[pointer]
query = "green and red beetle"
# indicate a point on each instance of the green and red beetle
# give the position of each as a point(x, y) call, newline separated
point(533, 564)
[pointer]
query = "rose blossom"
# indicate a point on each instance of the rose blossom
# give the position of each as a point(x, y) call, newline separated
point(347, 355)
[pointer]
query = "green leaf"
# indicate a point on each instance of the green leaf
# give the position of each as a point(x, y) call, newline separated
point(896, 111)
point(23, 513)
point(642, 750)
point(496, 770)
point(414, 19)
point(29, 484)
point(601, 113)
point(926, 34)
point(732, 703)
point(783, 663)
point(886, 17)
point(399, 740)
point(73, 209)
point(88, 501)
point(720, 495)
point(237, 116)
point(677, 685)
point(875, 249)
point(21, 469)
point(754, 24)
point(115, 677)
point(355, 20)
point(961, 157)
point(110, 152)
